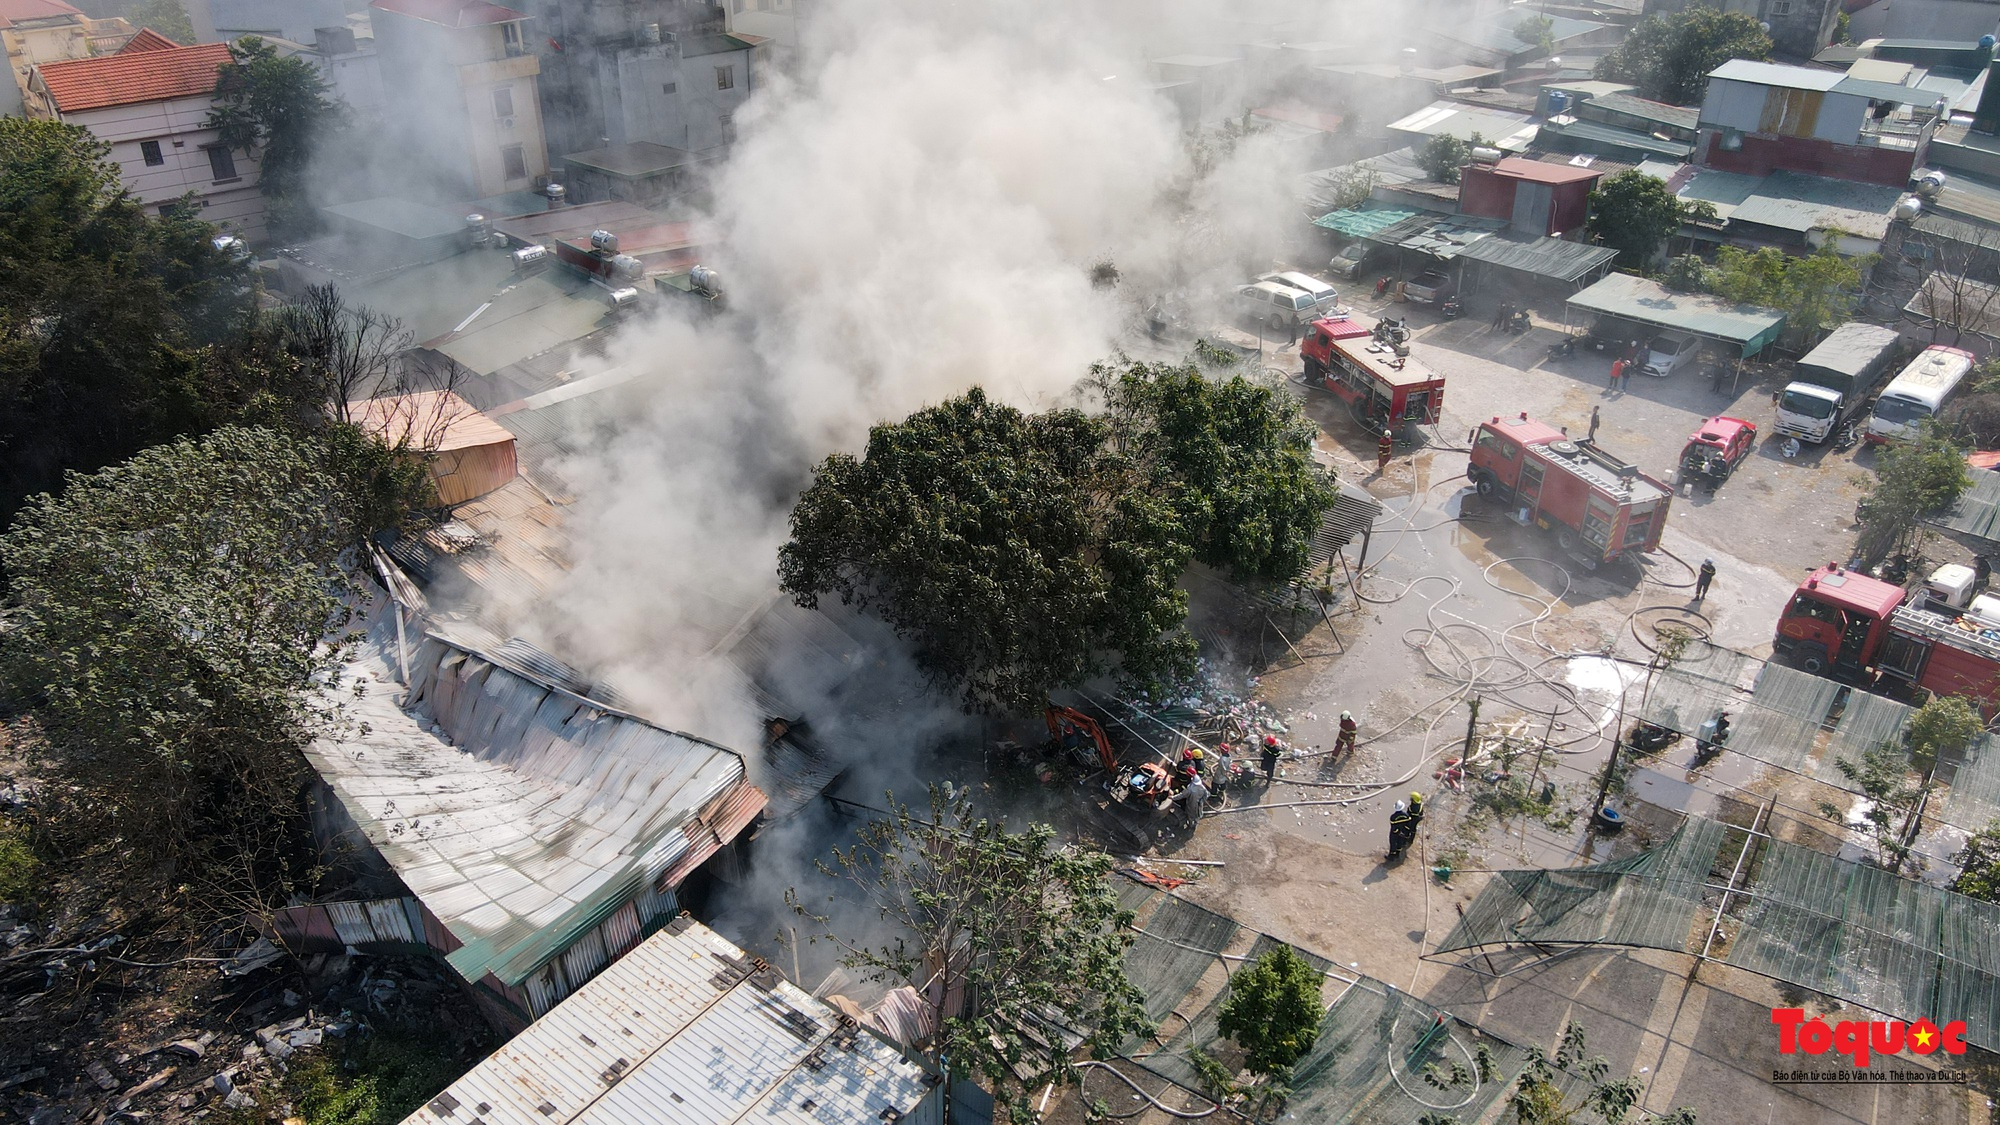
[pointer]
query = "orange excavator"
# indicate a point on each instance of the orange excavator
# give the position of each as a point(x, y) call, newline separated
point(1082, 738)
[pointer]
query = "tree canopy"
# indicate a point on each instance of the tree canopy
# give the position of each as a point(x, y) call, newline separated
point(1669, 56)
point(118, 329)
point(1815, 291)
point(1273, 1010)
point(1913, 479)
point(1979, 864)
point(166, 625)
point(1001, 931)
point(278, 109)
point(1023, 552)
point(1443, 156)
point(168, 17)
point(1635, 214)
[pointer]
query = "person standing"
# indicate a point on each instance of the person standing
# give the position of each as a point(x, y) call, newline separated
point(1593, 423)
point(1270, 753)
point(1194, 800)
point(1383, 449)
point(1403, 823)
point(1617, 369)
point(1503, 314)
point(1703, 577)
point(1345, 743)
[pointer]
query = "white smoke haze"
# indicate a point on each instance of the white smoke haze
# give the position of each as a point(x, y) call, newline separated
point(914, 215)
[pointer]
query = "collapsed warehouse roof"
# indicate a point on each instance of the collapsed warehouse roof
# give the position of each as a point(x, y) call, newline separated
point(521, 814)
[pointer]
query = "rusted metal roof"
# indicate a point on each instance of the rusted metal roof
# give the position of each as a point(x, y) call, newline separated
point(689, 1030)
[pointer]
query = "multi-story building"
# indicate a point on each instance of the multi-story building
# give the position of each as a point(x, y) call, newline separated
point(1866, 126)
point(43, 31)
point(463, 91)
point(150, 102)
point(619, 72)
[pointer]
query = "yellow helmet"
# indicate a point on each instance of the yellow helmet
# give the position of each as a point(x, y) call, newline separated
point(1416, 796)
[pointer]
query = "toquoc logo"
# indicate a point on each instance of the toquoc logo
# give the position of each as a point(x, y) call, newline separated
point(1858, 1038)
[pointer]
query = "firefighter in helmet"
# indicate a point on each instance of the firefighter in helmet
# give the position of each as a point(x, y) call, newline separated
point(1403, 823)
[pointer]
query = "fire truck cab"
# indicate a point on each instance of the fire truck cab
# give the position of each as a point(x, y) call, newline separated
point(1380, 380)
point(1599, 507)
point(1836, 621)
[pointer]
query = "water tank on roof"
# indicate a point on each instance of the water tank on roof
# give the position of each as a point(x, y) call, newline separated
point(705, 279)
point(1908, 208)
point(627, 267)
point(604, 240)
point(1986, 43)
point(1931, 184)
point(623, 297)
point(530, 257)
point(649, 34)
point(1486, 154)
point(556, 193)
point(1558, 103)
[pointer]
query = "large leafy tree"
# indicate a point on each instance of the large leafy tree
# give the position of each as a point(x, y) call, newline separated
point(1443, 156)
point(168, 17)
point(1013, 942)
point(118, 329)
point(1635, 214)
point(1024, 552)
point(1669, 56)
point(1274, 1010)
point(1979, 864)
point(166, 626)
point(280, 110)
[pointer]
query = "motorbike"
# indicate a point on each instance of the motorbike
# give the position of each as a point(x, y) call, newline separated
point(1563, 347)
point(1845, 438)
point(1450, 309)
point(1519, 322)
point(1651, 738)
point(1710, 741)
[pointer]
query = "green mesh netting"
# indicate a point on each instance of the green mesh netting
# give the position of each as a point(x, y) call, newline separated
point(1974, 778)
point(1869, 721)
point(1175, 942)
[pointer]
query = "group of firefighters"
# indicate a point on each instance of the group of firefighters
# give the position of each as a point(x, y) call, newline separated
point(1194, 779)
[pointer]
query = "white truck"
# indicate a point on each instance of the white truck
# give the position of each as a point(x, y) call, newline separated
point(1831, 385)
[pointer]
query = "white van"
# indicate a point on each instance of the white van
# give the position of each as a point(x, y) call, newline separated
point(1324, 298)
point(1669, 352)
point(1915, 395)
point(1276, 306)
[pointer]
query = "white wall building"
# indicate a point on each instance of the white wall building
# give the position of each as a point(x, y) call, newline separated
point(152, 107)
point(466, 88)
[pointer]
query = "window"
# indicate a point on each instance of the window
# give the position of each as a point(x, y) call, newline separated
point(725, 78)
point(1781, 7)
point(503, 101)
point(515, 160)
point(151, 151)
point(221, 164)
point(510, 34)
point(728, 123)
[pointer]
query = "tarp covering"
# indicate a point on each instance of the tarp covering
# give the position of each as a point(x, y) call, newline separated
point(1750, 327)
point(1850, 930)
point(1977, 511)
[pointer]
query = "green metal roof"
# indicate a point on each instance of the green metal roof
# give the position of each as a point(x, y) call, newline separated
point(1552, 258)
point(1360, 222)
point(1750, 327)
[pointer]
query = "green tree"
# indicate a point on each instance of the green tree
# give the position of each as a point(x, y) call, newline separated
point(118, 329)
point(1979, 864)
point(1913, 479)
point(1882, 776)
point(1566, 1088)
point(1686, 273)
point(167, 17)
point(1022, 552)
point(279, 110)
point(1942, 728)
point(1635, 214)
point(1443, 156)
point(1815, 291)
point(166, 626)
point(1027, 932)
point(1538, 30)
point(1669, 57)
point(1273, 1011)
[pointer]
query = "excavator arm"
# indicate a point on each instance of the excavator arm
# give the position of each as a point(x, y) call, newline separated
point(1071, 727)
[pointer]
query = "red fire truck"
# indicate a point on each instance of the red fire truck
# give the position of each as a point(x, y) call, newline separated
point(1600, 508)
point(1372, 371)
point(1846, 624)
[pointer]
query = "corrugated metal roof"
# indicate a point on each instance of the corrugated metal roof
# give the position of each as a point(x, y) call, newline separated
point(543, 811)
point(1502, 129)
point(1977, 510)
point(1884, 91)
point(1598, 132)
point(1649, 302)
point(1680, 117)
point(1441, 236)
point(1795, 201)
point(1362, 222)
point(1778, 74)
point(686, 1030)
point(1544, 257)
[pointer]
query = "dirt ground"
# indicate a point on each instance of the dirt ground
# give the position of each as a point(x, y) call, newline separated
point(1456, 595)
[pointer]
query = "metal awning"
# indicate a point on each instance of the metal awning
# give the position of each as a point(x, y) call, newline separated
point(1976, 513)
point(1750, 327)
point(1552, 258)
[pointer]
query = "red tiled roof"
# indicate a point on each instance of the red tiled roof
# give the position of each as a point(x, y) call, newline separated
point(12, 11)
point(451, 13)
point(147, 40)
point(129, 79)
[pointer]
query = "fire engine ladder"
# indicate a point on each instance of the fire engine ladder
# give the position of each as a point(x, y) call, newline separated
point(1530, 491)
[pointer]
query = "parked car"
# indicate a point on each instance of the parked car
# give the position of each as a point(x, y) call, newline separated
point(1277, 307)
point(1430, 287)
point(1325, 299)
point(1714, 450)
point(1350, 261)
point(1669, 352)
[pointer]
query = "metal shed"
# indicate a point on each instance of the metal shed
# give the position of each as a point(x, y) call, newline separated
point(1748, 328)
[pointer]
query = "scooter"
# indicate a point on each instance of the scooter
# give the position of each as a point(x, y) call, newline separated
point(1520, 322)
point(1709, 743)
point(1845, 438)
point(1450, 309)
point(1651, 738)
point(1563, 347)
